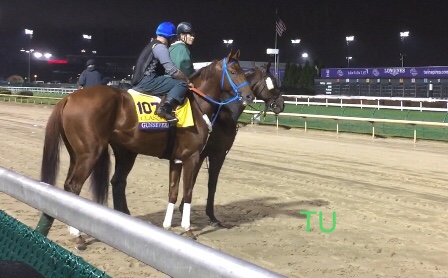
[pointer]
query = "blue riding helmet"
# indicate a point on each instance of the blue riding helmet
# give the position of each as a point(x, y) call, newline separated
point(166, 30)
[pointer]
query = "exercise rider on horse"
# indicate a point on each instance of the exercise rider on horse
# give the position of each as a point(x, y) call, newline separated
point(156, 74)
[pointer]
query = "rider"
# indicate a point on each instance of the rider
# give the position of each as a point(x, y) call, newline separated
point(150, 72)
point(180, 50)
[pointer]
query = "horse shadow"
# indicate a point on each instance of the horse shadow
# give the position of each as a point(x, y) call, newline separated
point(238, 213)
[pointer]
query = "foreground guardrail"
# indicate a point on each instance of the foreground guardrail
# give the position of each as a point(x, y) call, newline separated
point(356, 119)
point(168, 252)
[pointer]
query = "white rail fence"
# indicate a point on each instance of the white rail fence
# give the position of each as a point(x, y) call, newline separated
point(56, 91)
point(357, 119)
point(327, 100)
point(401, 103)
point(166, 251)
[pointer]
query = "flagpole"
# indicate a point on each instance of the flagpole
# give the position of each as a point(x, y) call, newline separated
point(275, 47)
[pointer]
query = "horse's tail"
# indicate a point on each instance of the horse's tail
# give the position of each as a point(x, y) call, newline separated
point(99, 179)
point(53, 133)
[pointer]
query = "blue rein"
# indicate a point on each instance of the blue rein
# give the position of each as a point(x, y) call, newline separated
point(235, 88)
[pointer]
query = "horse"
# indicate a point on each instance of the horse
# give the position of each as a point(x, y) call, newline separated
point(90, 119)
point(264, 87)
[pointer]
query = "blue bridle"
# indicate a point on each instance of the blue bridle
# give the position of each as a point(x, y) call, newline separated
point(235, 88)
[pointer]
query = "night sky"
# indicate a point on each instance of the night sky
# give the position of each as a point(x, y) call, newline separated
point(122, 28)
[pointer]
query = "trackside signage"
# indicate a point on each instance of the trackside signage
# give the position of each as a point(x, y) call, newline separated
point(393, 72)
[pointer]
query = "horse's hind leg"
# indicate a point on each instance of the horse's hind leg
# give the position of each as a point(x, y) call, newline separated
point(80, 168)
point(124, 161)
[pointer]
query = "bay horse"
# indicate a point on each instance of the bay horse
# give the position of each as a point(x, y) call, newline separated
point(90, 119)
point(264, 87)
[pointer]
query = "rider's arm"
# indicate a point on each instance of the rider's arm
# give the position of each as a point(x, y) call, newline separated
point(185, 62)
point(161, 53)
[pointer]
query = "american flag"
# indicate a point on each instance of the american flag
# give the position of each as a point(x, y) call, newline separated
point(280, 27)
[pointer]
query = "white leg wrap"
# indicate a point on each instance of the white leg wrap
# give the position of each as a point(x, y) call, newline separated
point(73, 231)
point(168, 216)
point(186, 217)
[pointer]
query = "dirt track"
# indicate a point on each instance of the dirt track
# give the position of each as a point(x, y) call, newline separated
point(390, 198)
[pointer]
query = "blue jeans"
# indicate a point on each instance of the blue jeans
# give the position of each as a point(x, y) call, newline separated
point(159, 85)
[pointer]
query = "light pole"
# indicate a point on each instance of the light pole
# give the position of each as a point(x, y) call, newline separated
point(305, 56)
point(29, 61)
point(402, 36)
point(89, 43)
point(29, 33)
point(349, 39)
point(39, 55)
point(295, 42)
point(348, 60)
point(228, 42)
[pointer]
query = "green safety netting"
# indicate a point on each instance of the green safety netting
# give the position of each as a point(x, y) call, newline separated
point(19, 242)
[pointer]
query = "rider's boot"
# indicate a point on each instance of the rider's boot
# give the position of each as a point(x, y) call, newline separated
point(165, 110)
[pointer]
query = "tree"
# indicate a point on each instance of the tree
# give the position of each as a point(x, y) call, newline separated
point(15, 79)
point(299, 79)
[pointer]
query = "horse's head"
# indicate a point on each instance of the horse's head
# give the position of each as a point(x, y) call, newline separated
point(233, 78)
point(264, 85)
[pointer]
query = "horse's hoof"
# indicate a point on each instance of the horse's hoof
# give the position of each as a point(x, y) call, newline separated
point(216, 224)
point(81, 247)
point(81, 244)
point(190, 235)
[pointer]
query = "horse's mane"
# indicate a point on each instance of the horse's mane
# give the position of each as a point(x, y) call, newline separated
point(205, 72)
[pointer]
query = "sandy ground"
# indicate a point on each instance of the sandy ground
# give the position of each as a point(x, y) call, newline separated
point(390, 197)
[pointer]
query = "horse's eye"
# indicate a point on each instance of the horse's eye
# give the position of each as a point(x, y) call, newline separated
point(233, 72)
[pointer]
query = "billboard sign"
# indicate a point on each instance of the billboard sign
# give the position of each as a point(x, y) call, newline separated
point(391, 72)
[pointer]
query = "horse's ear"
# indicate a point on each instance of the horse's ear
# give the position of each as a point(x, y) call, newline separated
point(237, 55)
point(230, 55)
point(268, 66)
point(234, 55)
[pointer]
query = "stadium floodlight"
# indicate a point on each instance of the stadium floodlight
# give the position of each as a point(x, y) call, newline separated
point(228, 42)
point(404, 34)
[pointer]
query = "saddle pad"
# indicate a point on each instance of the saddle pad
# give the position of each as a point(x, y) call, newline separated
point(146, 105)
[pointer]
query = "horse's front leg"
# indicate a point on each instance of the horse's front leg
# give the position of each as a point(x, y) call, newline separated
point(195, 175)
point(191, 169)
point(175, 172)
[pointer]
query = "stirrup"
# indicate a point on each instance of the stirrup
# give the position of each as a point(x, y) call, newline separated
point(168, 117)
point(173, 121)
